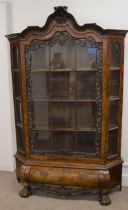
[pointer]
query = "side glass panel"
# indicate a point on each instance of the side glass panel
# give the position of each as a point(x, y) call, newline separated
point(113, 113)
point(17, 83)
point(64, 93)
point(19, 111)
point(20, 138)
point(115, 55)
point(114, 92)
point(114, 83)
point(113, 142)
point(16, 76)
point(15, 61)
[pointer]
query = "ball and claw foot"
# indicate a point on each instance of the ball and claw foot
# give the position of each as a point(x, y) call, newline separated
point(104, 200)
point(25, 192)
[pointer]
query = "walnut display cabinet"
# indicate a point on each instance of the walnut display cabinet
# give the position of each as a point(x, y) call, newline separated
point(68, 85)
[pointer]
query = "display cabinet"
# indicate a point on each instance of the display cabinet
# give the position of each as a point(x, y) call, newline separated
point(68, 85)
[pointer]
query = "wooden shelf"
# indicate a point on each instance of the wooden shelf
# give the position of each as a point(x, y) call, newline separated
point(62, 100)
point(53, 129)
point(113, 127)
point(85, 69)
point(114, 68)
point(52, 70)
point(86, 129)
point(114, 98)
point(39, 69)
point(62, 69)
point(112, 156)
point(65, 129)
point(86, 100)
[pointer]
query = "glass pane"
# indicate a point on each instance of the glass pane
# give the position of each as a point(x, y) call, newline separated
point(20, 139)
point(15, 58)
point(53, 141)
point(40, 85)
point(62, 115)
point(113, 142)
point(40, 114)
point(114, 91)
point(63, 85)
point(113, 114)
point(86, 142)
point(86, 115)
point(115, 55)
point(86, 85)
point(62, 56)
point(86, 57)
point(40, 58)
point(63, 141)
point(114, 83)
point(42, 141)
point(62, 78)
point(17, 84)
point(18, 111)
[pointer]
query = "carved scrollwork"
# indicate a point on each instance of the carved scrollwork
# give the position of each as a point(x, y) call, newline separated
point(64, 153)
point(35, 44)
point(29, 94)
point(65, 191)
point(89, 42)
point(99, 96)
point(61, 38)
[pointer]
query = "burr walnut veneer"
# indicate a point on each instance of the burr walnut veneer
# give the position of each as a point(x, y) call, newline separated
point(68, 85)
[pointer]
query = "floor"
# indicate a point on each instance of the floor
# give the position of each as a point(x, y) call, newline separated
point(10, 199)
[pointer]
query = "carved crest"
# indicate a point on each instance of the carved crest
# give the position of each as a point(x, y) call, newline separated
point(61, 14)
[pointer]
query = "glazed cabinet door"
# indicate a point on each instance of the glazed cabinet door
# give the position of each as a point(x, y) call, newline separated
point(17, 93)
point(115, 97)
point(64, 90)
